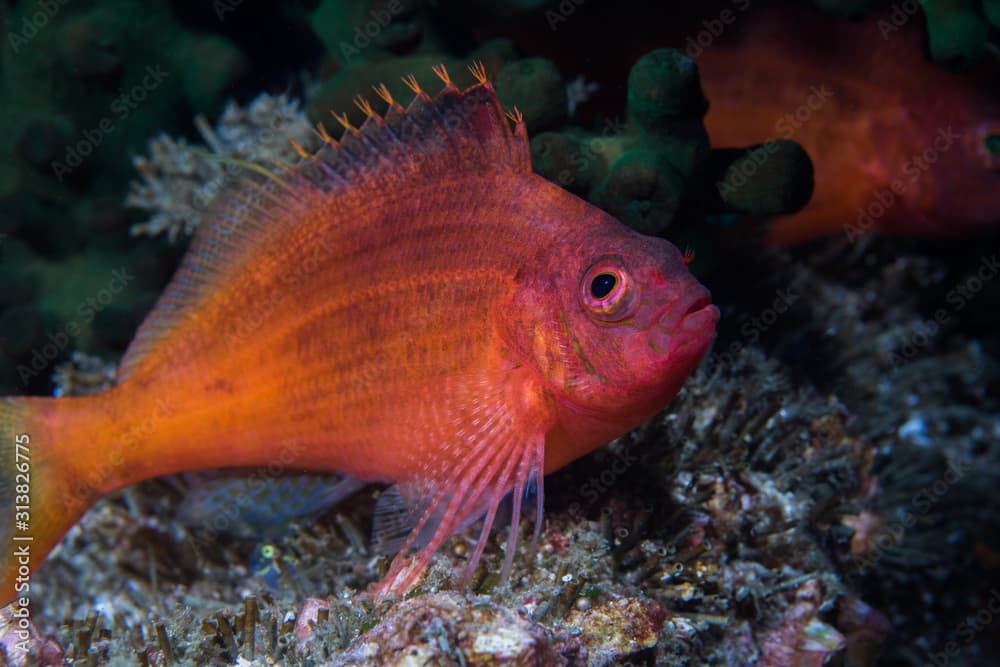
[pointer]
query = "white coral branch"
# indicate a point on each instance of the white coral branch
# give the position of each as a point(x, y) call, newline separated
point(179, 181)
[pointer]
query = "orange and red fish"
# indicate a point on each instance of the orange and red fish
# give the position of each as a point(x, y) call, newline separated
point(899, 146)
point(410, 305)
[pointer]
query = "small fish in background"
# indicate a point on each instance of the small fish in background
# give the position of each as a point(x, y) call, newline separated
point(900, 146)
point(270, 565)
point(256, 503)
point(410, 305)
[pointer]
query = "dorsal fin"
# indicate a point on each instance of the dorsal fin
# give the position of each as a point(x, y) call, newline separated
point(456, 133)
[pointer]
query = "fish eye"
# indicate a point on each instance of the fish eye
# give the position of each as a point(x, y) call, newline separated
point(602, 284)
point(608, 291)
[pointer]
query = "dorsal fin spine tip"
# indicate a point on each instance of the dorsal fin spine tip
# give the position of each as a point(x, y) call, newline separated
point(412, 83)
point(325, 136)
point(297, 147)
point(478, 71)
point(342, 119)
point(365, 106)
point(383, 92)
point(442, 73)
point(515, 115)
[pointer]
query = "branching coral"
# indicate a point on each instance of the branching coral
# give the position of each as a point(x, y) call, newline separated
point(180, 181)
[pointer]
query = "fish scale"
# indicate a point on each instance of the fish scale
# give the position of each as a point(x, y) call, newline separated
point(411, 305)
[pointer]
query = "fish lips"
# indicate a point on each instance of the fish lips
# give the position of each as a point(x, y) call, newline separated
point(686, 327)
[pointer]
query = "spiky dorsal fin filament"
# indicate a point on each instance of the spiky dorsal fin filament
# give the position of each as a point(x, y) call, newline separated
point(412, 83)
point(516, 117)
point(442, 74)
point(342, 118)
point(394, 110)
point(478, 71)
point(299, 150)
point(324, 136)
point(383, 92)
point(365, 106)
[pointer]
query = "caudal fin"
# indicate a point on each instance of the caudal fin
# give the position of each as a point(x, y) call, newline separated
point(40, 496)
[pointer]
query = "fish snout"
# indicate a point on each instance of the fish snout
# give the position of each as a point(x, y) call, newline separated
point(687, 324)
point(694, 300)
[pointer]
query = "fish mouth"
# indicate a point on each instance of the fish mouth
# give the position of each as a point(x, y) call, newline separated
point(700, 302)
point(686, 323)
point(676, 314)
point(701, 319)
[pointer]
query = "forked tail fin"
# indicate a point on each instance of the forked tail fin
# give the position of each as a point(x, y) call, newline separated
point(40, 495)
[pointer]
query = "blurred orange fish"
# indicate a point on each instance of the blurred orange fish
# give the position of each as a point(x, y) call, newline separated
point(412, 305)
point(900, 146)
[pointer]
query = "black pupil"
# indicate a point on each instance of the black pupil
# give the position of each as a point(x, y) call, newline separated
point(602, 284)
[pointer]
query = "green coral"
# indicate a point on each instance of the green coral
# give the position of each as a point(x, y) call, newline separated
point(657, 173)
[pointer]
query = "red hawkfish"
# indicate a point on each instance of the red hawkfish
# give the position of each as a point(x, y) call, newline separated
point(411, 305)
point(899, 146)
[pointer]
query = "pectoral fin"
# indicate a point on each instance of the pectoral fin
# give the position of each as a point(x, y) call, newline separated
point(504, 455)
